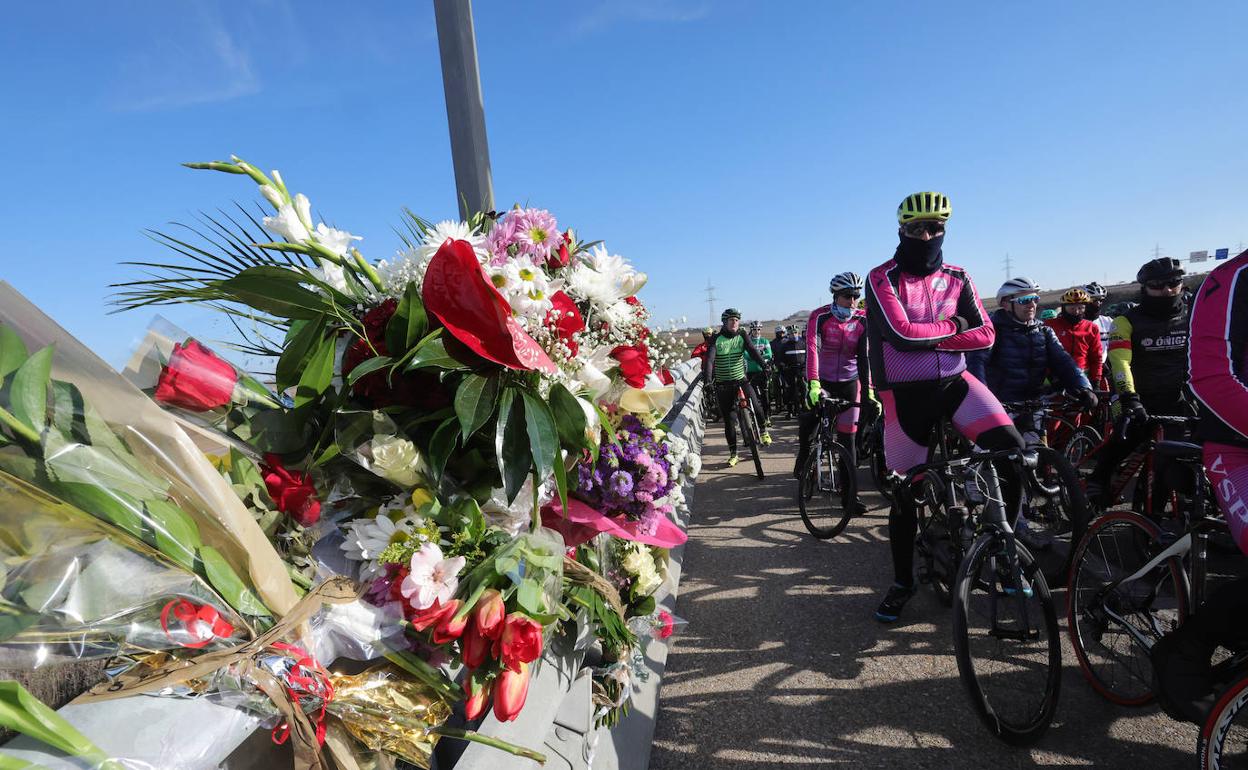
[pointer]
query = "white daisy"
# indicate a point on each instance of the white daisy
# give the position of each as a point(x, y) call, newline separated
point(365, 539)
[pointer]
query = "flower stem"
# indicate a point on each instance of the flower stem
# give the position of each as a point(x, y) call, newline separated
point(19, 427)
point(537, 511)
point(426, 674)
point(368, 270)
point(476, 737)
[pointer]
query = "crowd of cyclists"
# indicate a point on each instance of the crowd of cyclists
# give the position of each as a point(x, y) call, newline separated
point(912, 345)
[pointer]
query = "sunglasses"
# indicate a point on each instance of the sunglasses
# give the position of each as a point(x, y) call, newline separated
point(851, 294)
point(915, 229)
point(1171, 284)
point(1027, 299)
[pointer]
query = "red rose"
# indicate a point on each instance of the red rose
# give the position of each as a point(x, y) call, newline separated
point(634, 363)
point(195, 379)
point(459, 294)
point(420, 389)
point(510, 691)
point(666, 377)
point(521, 641)
point(569, 321)
point(292, 491)
point(562, 257)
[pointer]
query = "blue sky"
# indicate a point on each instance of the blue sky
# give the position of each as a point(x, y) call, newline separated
point(762, 145)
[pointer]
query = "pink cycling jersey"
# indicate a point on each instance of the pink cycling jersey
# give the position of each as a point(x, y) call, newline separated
point(921, 326)
point(833, 346)
point(1218, 352)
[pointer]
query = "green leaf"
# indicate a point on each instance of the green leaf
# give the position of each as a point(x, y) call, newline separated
point(368, 367)
point(279, 431)
point(441, 446)
point(643, 607)
point(276, 291)
point(115, 507)
point(24, 713)
point(543, 438)
point(561, 483)
point(29, 392)
point(530, 598)
point(431, 354)
point(569, 418)
point(13, 352)
point(318, 373)
point(228, 584)
point(173, 532)
point(301, 341)
point(14, 622)
point(409, 322)
point(475, 401)
point(511, 444)
point(67, 412)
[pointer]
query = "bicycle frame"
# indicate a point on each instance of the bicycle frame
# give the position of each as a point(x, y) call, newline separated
point(1140, 462)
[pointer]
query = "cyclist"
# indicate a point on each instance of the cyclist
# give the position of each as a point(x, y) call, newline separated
point(922, 317)
point(1024, 355)
point(700, 351)
point(1080, 337)
point(779, 341)
point(792, 361)
point(1104, 321)
point(725, 366)
point(1048, 314)
point(1218, 361)
point(1148, 354)
point(757, 375)
point(836, 362)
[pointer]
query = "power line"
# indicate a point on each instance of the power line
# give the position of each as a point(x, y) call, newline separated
point(710, 303)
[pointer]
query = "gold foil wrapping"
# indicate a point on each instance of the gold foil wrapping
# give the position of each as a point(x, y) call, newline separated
point(386, 712)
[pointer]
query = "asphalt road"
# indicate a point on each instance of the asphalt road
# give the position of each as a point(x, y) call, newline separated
point(783, 663)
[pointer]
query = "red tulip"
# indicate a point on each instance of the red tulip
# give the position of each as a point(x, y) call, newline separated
point(292, 491)
point(510, 691)
point(489, 613)
point(478, 698)
point(195, 379)
point(476, 648)
point(433, 615)
point(450, 628)
point(521, 641)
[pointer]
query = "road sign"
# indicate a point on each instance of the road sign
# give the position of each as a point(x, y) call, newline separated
point(1198, 256)
point(1221, 253)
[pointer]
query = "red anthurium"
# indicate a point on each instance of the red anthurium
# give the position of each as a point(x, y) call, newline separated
point(510, 691)
point(569, 322)
point(634, 363)
point(459, 293)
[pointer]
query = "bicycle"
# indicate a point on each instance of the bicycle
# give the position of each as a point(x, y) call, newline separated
point(1223, 741)
point(871, 451)
point(1005, 625)
point(1139, 466)
point(1075, 433)
point(747, 420)
point(1056, 512)
point(828, 479)
point(1129, 585)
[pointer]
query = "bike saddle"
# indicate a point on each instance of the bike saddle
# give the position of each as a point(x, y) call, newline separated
point(1180, 450)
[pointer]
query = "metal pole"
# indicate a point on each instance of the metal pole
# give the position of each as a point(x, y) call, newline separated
point(465, 109)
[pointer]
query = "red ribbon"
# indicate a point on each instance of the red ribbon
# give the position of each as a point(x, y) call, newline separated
point(201, 622)
point(309, 677)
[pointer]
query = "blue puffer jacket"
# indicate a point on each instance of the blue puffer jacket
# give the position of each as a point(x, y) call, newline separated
point(1021, 358)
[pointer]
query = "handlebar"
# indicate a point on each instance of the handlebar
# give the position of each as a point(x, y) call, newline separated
point(1028, 457)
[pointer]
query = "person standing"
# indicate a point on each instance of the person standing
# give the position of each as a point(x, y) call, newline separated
point(757, 374)
point(923, 316)
point(1080, 337)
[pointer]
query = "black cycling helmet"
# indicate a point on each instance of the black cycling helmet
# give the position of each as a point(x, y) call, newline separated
point(731, 312)
point(1159, 270)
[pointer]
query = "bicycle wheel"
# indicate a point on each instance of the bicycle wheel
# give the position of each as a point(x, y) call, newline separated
point(756, 444)
point(939, 553)
point(1113, 624)
point(1056, 516)
point(1081, 443)
point(1006, 640)
point(1223, 741)
point(827, 490)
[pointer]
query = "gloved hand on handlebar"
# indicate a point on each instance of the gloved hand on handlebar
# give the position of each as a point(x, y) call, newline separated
point(870, 408)
point(1131, 406)
point(815, 390)
point(1087, 399)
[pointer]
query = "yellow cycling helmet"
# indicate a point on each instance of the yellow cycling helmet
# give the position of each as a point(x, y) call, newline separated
point(1076, 296)
point(924, 205)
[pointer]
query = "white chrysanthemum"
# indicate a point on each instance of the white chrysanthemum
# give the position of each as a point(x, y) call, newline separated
point(620, 315)
point(365, 539)
point(409, 266)
point(586, 283)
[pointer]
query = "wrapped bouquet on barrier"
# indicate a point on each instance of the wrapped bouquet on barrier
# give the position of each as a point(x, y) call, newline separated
point(448, 460)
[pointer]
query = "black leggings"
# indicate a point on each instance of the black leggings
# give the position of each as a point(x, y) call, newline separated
point(758, 380)
point(809, 421)
point(727, 394)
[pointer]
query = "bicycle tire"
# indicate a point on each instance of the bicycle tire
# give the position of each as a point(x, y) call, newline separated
point(1215, 740)
point(1116, 545)
point(826, 482)
point(1061, 519)
point(1022, 714)
point(756, 442)
point(1080, 444)
point(939, 553)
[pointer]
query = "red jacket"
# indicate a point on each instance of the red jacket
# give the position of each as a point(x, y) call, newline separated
point(1082, 340)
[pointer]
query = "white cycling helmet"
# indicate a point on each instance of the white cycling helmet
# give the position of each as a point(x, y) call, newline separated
point(1018, 285)
point(846, 281)
point(1096, 291)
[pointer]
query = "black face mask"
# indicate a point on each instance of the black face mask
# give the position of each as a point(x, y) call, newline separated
point(1093, 313)
point(919, 257)
point(1161, 307)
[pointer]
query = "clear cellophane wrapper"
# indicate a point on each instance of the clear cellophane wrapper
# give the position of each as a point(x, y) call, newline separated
point(157, 452)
